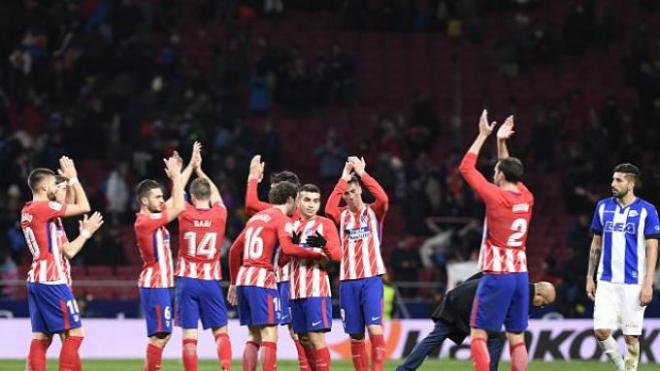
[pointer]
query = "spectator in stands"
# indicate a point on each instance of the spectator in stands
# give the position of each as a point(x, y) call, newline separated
point(405, 264)
point(116, 195)
point(331, 158)
point(8, 271)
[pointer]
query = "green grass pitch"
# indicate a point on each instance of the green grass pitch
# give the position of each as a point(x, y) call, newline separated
point(175, 365)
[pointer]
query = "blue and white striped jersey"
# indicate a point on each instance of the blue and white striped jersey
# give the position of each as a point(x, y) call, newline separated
point(624, 231)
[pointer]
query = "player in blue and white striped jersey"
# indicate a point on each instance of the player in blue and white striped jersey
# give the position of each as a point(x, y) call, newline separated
point(625, 247)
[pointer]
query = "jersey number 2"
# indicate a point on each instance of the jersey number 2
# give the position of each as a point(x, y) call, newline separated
point(519, 226)
point(206, 246)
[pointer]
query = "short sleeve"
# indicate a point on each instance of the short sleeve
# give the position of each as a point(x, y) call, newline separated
point(152, 221)
point(52, 210)
point(652, 225)
point(596, 223)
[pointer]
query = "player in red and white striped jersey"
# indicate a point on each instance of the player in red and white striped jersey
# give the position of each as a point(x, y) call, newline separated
point(53, 308)
point(311, 305)
point(252, 206)
point(503, 295)
point(251, 262)
point(198, 292)
point(153, 242)
point(361, 286)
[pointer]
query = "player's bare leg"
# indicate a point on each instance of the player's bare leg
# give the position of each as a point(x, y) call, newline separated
point(303, 361)
point(479, 349)
point(223, 347)
point(268, 348)
point(631, 358)
point(377, 347)
point(36, 360)
point(251, 351)
point(155, 351)
point(609, 346)
point(518, 350)
point(321, 352)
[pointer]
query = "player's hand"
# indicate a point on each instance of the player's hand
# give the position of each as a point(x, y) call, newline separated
point(346, 173)
point(172, 167)
point(316, 240)
point(358, 164)
point(231, 295)
point(485, 128)
point(196, 156)
point(295, 237)
point(646, 295)
point(256, 168)
point(176, 155)
point(506, 130)
point(591, 289)
point(67, 168)
point(90, 224)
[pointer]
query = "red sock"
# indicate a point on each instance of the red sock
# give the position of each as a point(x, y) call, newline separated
point(69, 358)
point(359, 354)
point(250, 356)
point(302, 358)
point(37, 356)
point(480, 356)
point(377, 352)
point(519, 357)
point(268, 356)
point(322, 359)
point(223, 348)
point(189, 354)
point(154, 358)
point(310, 353)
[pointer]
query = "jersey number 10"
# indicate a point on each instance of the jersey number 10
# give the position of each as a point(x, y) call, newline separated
point(205, 247)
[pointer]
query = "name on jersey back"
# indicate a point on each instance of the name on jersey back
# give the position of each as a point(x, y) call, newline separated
point(202, 223)
point(520, 208)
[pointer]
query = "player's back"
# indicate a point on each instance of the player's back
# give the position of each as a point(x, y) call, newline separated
point(39, 225)
point(508, 215)
point(201, 232)
point(153, 242)
point(260, 247)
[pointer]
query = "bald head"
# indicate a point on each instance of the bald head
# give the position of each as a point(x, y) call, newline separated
point(544, 294)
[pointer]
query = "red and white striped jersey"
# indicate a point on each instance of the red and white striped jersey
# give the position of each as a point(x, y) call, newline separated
point(201, 232)
point(508, 214)
point(282, 273)
point(153, 242)
point(63, 241)
point(360, 232)
point(309, 278)
point(252, 255)
point(39, 225)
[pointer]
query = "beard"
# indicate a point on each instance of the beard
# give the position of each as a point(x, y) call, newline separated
point(52, 196)
point(155, 209)
point(620, 194)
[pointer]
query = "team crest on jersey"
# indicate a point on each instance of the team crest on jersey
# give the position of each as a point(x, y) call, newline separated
point(358, 233)
point(364, 219)
point(154, 215)
point(55, 205)
point(633, 213)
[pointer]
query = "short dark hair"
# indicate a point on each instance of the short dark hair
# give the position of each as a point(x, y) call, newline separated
point(312, 188)
point(285, 176)
point(60, 179)
point(354, 179)
point(630, 171)
point(512, 168)
point(280, 193)
point(200, 188)
point(144, 187)
point(37, 176)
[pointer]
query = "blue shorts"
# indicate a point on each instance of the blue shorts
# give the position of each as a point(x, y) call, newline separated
point(199, 299)
point(361, 303)
point(311, 315)
point(501, 299)
point(157, 308)
point(258, 306)
point(285, 306)
point(53, 308)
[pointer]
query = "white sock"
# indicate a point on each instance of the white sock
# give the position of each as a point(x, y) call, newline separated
point(632, 356)
point(610, 348)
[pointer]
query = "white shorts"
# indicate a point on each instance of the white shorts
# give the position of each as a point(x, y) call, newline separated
point(617, 306)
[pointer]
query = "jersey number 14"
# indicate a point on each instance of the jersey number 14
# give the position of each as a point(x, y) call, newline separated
point(205, 247)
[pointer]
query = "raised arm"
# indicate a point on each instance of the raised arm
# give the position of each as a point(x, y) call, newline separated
point(188, 170)
point(503, 133)
point(216, 197)
point(176, 203)
point(252, 203)
point(80, 203)
point(332, 209)
point(381, 203)
point(87, 227)
point(468, 166)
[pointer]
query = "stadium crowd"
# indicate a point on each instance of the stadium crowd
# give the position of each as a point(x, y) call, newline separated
point(108, 83)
